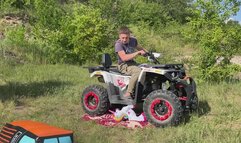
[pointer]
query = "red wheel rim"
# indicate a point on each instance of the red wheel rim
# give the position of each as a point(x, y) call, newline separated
point(161, 109)
point(91, 100)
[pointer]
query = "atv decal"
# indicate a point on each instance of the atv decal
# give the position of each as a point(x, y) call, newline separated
point(121, 83)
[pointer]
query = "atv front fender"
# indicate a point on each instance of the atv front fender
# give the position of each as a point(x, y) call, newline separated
point(190, 88)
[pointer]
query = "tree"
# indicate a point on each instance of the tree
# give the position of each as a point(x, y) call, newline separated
point(124, 12)
point(178, 10)
point(218, 41)
point(81, 36)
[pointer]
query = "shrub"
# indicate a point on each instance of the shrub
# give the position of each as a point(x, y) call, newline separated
point(127, 12)
point(82, 35)
point(216, 39)
point(21, 45)
point(16, 36)
point(47, 14)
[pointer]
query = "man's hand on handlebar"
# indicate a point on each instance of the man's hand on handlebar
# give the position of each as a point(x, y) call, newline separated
point(142, 52)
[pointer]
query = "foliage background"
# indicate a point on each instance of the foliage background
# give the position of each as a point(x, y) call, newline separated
point(70, 31)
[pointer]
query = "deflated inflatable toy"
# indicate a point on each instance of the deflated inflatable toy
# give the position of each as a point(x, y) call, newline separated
point(127, 113)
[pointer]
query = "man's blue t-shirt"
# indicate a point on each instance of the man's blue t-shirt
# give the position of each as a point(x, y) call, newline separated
point(128, 47)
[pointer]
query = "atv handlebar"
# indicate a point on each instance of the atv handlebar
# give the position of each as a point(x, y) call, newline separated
point(152, 57)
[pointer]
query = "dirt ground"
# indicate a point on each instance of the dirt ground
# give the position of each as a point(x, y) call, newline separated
point(236, 60)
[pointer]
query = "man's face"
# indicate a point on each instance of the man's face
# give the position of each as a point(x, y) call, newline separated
point(124, 38)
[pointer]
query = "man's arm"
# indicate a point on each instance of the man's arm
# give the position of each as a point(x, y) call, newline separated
point(126, 57)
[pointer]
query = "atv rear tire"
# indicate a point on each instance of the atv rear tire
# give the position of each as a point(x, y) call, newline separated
point(95, 100)
point(163, 108)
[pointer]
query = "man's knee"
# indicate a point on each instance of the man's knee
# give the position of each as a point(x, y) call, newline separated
point(135, 69)
point(136, 72)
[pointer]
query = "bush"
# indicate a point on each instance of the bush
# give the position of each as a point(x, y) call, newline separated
point(127, 12)
point(216, 39)
point(82, 36)
point(219, 73)
point(47, 14)
point(6, 4)
point(21, 46)
point(86, 33)
point(15, 7)
point(16, 36)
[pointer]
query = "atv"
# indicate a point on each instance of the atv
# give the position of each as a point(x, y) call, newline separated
point(164, 90)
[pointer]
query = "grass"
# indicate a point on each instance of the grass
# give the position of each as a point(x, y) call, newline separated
point(51, 94)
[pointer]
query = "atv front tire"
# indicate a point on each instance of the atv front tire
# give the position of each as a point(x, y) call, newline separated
point(95, 100)
point(163, 108)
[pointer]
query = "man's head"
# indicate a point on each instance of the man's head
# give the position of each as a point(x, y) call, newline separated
point(124, 34)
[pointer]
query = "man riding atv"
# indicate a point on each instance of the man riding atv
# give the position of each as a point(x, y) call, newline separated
point(126, 47)
point(164, 90)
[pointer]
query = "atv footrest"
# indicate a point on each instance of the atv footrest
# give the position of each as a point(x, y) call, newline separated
point(115, 99)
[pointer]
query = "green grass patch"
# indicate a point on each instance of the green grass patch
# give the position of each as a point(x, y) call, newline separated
point(51, 94)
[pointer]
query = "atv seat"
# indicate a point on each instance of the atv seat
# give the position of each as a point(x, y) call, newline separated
point(106, 61)
point(106, 65)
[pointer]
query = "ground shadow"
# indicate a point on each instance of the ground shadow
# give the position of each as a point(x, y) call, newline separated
point(13, 90)
point(203, 109)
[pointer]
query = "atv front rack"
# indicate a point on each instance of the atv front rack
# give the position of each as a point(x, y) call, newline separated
point(169, 66)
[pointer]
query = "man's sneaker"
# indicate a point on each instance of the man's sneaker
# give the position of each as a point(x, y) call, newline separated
point(127, 94)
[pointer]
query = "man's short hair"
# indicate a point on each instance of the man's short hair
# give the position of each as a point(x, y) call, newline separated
point(124, 30)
